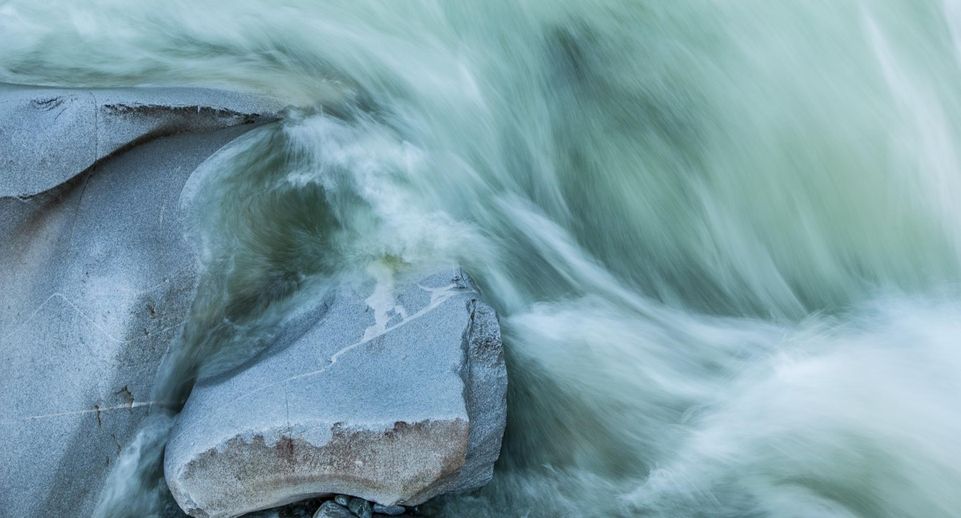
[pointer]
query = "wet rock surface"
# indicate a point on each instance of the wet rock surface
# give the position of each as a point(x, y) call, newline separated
point(97, 281)
point(333, 510)
point(392, 392)
point(338, 507)
point(390, 510)
point(395, 394)
point(50, 135)
point(360, 507)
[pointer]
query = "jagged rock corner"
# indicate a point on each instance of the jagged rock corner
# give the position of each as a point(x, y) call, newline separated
point(392, 405)
point(396, 409)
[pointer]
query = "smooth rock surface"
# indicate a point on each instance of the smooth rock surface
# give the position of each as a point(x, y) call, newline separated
point(49, 135)
point(97, 279)
point(396, 394)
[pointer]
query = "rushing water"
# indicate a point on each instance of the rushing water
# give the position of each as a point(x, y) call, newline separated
point(722, 235)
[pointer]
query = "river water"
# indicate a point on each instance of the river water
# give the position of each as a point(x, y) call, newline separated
point(722, 236)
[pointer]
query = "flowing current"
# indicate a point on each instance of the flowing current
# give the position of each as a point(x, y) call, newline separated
point(724, 237)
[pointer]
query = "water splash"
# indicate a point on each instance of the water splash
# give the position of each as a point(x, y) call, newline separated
point(722, 235)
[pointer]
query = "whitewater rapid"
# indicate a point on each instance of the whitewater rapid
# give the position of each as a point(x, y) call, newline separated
point(723, 236)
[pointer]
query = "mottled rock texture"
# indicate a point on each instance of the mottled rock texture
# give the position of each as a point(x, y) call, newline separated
point(50, 135)
point(396, 394)
point(96, 276)
point(333, 510)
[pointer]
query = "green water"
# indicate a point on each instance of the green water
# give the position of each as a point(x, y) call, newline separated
point(722, 235)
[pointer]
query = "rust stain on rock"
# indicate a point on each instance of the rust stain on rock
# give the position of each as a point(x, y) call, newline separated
point(406, 463)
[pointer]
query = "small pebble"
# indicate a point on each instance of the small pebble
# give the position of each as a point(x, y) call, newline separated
point(331, 510)
point(342, 500)
point(360, 507)
point(392, 510)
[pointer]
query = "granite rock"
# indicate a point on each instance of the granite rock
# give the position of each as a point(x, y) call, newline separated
point(97, 280)
point(50, 135)
point(396, 394)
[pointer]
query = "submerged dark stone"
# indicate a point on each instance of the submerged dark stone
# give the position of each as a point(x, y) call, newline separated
point(332, 509)
point(360, 507)
point(390, 510)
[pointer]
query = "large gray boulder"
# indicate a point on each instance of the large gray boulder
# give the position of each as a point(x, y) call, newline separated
point(395, 393)
point(96, 278)
point(50, 135)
